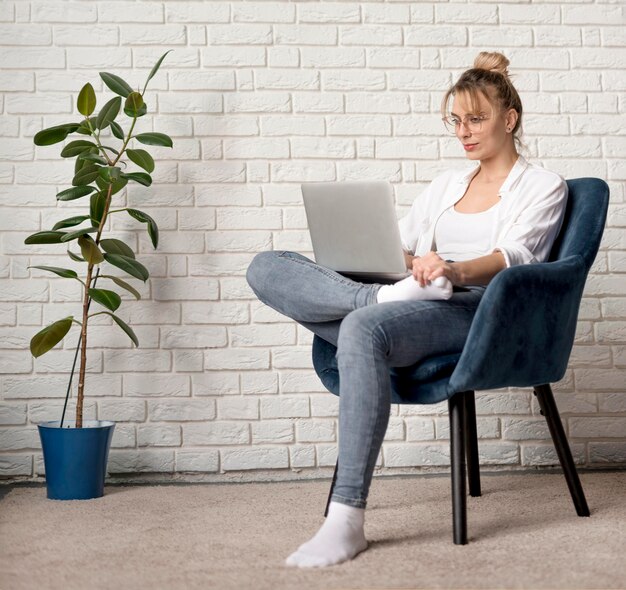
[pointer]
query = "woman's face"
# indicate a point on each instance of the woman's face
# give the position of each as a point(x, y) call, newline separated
point(483, 132)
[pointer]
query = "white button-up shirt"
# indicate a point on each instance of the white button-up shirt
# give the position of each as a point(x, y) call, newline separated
point(527, 221)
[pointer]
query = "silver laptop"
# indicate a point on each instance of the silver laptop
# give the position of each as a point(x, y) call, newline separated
point(354, 229)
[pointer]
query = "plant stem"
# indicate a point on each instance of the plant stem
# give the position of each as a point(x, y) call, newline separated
point(130, 134)
point(86, 303)
point(107, 205)
point(96, 136)
point(80, 338)
point(83, 351)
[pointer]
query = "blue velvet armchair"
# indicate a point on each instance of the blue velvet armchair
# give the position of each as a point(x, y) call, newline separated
point(521, 336)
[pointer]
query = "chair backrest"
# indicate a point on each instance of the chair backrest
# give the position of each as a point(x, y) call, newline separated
point(585, 217)
point(535, 347)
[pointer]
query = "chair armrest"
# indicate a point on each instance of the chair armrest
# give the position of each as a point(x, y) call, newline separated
point(523, 331)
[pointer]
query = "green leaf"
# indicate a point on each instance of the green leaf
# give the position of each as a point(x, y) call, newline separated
point(45, 237)
point(122, 324)
point(69, 222)
point(120, 283)
point(142, 158)
point(129, 265)
point(86, 100)
point(110, 299)
point(79, 164)
point(133, 104)
point(84, 129)
point(117, 130)
point(116, 84)
point(74, 148)
point(78, 233)
point(110, 174)
point(139, 113)
point(50, 336)
point(86, 175)
point(154, 70)
point(140, 177)
point(153, 230)
point(55, 134)
point(155, 139)
point(75, 257)
point(118, 185)
point(113, 246)
point(75, 193)
point(94, 158)
point(62, 272)
point(97, 203)
point(110, 149)
point(108, 112)
point(89, 249)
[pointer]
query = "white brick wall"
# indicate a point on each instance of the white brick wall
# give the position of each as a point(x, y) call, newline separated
point(260, 96)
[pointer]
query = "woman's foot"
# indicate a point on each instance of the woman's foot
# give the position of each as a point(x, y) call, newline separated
point(340, 538)
point(410, 290)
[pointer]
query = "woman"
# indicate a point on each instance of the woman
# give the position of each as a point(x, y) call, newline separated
point(466, 227)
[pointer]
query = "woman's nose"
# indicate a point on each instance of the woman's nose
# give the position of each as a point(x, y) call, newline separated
point(464, 130)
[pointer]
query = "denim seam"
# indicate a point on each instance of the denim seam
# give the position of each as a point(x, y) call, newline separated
point(373, 296)
point(377, 412)
point(379, 389)
point(321, 269)
point(366, 301)
point(372, 428)
point(361, 503)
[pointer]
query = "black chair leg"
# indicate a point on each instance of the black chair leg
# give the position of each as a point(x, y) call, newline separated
point(471, 444)
point(551, 413)
point(456, 407)
point(332, 486)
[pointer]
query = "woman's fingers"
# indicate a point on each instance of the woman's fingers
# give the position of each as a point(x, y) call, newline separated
point(425, 275)
point(430, 267)
point(435, 274)
point(421, 277)
point(427, 268)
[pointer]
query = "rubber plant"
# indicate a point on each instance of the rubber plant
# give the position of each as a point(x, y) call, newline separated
point(100, 173)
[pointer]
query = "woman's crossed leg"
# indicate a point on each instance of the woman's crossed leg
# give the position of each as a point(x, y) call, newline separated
point(370, 338)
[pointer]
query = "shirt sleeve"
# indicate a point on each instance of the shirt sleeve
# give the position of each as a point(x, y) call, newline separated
point(413, 222)
point(530, 237)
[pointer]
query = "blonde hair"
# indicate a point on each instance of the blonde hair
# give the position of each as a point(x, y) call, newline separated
point(490, 77)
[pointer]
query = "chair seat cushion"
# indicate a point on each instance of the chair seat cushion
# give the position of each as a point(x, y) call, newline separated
point(425, 382)
point(422, 383)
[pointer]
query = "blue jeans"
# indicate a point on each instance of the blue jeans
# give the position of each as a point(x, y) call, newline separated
point(370, 338)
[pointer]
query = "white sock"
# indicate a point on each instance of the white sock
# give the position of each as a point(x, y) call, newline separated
point(340, 538)
point(409, 289)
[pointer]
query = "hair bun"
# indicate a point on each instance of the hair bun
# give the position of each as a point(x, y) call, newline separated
point(492, 61)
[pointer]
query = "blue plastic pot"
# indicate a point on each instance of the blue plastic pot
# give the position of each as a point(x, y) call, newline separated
point(75, 458)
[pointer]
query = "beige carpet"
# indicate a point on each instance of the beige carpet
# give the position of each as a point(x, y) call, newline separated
point(523, 533)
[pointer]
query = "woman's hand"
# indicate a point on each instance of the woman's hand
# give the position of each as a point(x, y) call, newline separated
point(430, 266)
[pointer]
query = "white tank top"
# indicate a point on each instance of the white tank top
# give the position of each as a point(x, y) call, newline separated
point(463, 236)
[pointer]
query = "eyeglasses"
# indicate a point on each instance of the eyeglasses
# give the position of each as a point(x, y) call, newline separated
point(473, 123)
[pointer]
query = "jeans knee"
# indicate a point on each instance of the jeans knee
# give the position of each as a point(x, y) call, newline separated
point(360, 329)
point(260, 269)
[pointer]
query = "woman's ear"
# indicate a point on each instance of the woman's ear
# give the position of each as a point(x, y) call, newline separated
point(511, 119)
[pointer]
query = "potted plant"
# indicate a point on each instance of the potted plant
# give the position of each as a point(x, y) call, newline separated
point(75, 456)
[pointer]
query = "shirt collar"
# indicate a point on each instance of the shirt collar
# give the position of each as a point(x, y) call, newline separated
point(520, 165)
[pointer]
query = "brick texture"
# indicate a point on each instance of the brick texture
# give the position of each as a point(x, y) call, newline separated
point(259, 97)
